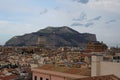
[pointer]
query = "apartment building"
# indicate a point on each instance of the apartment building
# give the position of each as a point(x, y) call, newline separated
point(96, 47)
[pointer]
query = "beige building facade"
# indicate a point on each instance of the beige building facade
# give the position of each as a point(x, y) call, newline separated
point(100, 67)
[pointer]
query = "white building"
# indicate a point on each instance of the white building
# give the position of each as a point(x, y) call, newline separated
point(100, 67)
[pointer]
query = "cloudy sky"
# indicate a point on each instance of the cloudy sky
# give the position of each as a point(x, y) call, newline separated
point(100, 17)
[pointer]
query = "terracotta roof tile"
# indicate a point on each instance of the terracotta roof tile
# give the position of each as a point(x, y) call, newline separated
point(8, 77)
point(79, 71)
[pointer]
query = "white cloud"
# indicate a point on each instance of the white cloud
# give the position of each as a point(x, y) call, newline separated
point(82, 1)
point(15, 28)
point(107, 5)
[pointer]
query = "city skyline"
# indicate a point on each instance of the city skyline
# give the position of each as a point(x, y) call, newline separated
point(100, 17)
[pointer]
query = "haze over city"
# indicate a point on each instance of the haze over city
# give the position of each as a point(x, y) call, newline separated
point(100, 17)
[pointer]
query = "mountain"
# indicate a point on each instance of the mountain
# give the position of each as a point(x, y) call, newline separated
point(53, 37)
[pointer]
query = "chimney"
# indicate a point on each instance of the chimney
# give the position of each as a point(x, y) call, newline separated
point(96, 65)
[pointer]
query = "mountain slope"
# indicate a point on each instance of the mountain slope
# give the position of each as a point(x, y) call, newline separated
point(53, 36)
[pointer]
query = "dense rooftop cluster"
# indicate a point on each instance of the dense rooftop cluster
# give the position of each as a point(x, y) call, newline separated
point(17, 62)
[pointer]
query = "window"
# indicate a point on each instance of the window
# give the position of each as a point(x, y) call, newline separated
point(35, 77)
point(41, 78)
point(47, 79)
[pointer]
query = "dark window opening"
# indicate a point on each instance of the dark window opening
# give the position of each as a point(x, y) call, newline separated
point(35, 77)
point(41, 78)
point(47, 79)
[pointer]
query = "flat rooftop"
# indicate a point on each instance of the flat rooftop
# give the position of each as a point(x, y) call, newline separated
point(63, 71)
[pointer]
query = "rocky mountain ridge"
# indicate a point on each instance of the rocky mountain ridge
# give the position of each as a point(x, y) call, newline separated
point(53, 36)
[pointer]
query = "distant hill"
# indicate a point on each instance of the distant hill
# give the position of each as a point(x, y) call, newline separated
point(53, 36)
